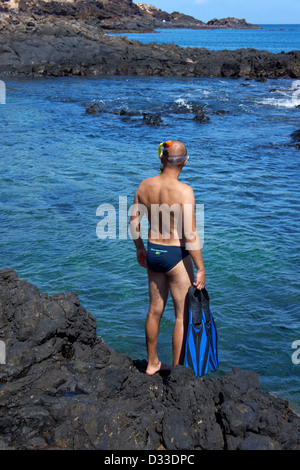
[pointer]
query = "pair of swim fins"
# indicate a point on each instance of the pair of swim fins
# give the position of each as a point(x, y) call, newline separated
point(201, 350)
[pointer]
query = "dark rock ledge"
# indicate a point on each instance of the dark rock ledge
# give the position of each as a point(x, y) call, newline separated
point(117, 14)
point(63, 388)
point(53, 46)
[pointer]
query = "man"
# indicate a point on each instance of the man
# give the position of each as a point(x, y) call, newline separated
point(173, 243)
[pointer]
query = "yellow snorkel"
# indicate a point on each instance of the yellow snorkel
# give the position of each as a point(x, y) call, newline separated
point(161, 148)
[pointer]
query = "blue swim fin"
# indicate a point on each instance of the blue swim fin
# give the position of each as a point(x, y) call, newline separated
point(201, 349)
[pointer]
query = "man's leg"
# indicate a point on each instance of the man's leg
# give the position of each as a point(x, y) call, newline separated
point(158, 293)
point(180, 278)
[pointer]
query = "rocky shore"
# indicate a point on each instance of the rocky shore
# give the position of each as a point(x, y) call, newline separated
point(62, 387)
point(32, 45)
point(117, 15)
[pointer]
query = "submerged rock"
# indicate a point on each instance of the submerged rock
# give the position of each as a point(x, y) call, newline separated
point(151, 119)
point(221, 112)
point(296, 138)
point(202, 118)
point(296, 135)
point(62, 387)
point(92, 109)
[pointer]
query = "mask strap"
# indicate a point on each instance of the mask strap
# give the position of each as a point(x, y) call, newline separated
point(177, 160)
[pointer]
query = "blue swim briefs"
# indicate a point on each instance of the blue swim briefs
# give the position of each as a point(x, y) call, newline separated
point(162, 258)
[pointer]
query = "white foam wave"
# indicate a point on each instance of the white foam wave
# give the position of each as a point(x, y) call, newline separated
point(283, 103)
point(203, 91)
point(184, 104)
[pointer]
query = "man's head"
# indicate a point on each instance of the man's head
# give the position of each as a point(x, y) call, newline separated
point(173, 154)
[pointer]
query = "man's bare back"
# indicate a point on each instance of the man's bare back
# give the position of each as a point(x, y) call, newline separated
point(173, 243)
point(164, 199)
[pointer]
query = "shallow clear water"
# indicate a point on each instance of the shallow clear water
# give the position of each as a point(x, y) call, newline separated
point(272, 38)
point(58, 164)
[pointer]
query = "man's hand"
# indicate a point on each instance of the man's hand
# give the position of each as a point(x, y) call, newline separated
point(141, 254)
point(200, 279)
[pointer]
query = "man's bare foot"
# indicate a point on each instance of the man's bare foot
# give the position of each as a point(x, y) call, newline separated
point(159, 367)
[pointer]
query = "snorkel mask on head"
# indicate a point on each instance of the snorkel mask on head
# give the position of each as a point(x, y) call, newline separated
point(172, 159)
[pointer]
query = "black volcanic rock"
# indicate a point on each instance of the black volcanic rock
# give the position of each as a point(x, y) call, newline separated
point(201, 118)
point(296, 138)
point(151, 119)
point(296, 135)
point(113, 14)
point(232, 23)
point(56, 46)
point(62, 387)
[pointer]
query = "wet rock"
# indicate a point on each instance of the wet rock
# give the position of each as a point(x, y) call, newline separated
point(296, 138)
point(296, 135)
point(261, 79)
point(92, 109)
point(221, 112)
point(126, 112)
point(201, 118)
point(62, 387)
point(151, 119)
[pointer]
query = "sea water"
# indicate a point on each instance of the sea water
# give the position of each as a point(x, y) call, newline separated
point(59, 164)
point(272, 38)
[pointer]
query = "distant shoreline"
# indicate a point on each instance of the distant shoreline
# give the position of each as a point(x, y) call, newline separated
point(271, 38)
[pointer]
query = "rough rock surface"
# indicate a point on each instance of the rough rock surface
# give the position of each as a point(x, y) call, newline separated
point(116, 14)
point(62, 387)
point(230, 22)
point(48, 45)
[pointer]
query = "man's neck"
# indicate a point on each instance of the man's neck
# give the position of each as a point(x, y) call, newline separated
point(170, 173)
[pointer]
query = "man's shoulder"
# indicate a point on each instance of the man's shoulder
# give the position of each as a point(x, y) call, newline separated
point(187, 194)
point(186, 187)
point(147, 181)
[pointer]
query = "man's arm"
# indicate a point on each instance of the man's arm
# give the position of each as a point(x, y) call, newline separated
point(191, 236)
point(138, 210)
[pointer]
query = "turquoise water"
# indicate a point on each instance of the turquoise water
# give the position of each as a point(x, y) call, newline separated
point(272, 38)
point(58, 164)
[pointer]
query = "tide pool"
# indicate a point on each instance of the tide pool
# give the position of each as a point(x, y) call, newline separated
point(59, 163)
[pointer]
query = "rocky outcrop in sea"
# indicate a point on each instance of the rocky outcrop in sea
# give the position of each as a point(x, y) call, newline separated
point(63, 387)
point(32, 45)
